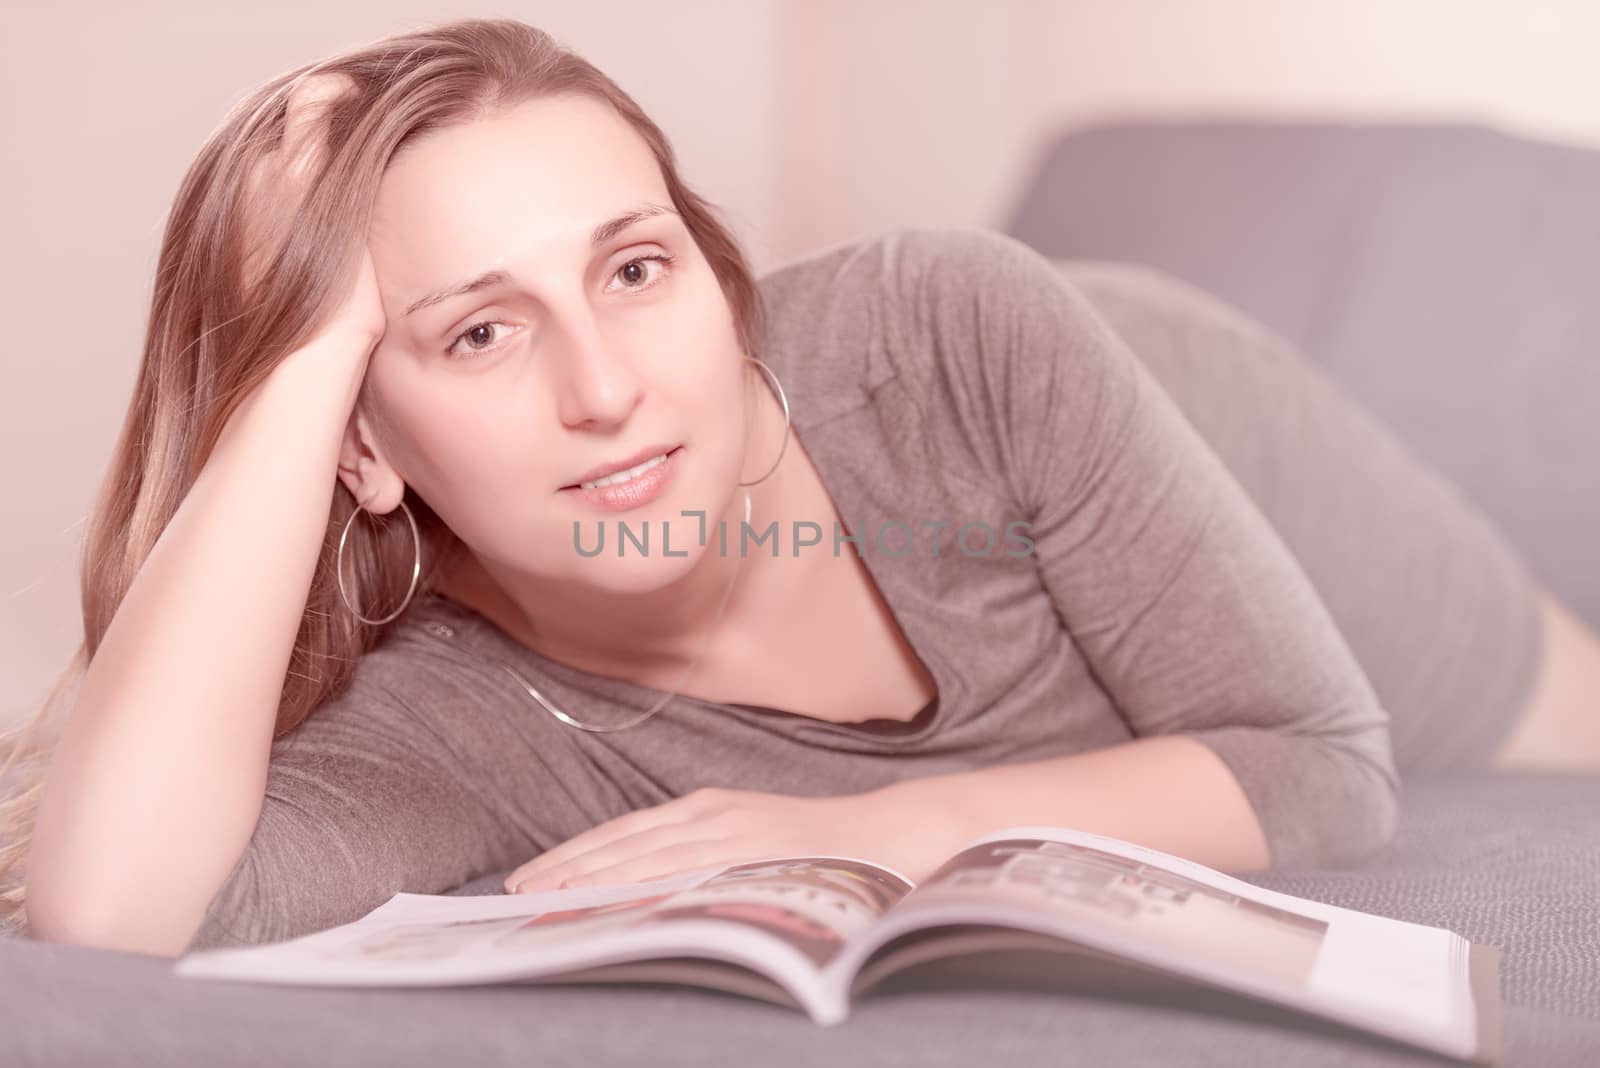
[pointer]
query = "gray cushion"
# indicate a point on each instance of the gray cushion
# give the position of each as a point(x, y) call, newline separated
point(1443, 274)
point(1513, 860)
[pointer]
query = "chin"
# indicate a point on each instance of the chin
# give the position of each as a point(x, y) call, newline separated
point(635, 573)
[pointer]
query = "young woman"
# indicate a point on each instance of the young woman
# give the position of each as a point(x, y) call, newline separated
point(477, 511)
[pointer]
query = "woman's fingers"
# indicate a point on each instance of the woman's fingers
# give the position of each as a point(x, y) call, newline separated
point(676, 813)
point(305, 119)
point(277, 183)
point(663, 863)
point(647, 850)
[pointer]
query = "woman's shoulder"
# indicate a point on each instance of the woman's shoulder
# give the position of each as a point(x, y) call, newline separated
point(424, 668)
point(903, 265)
point(932, 305)
point(940, 287)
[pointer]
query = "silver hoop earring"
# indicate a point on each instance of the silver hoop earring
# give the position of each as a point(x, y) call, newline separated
point(416, 567)
point(784, 397)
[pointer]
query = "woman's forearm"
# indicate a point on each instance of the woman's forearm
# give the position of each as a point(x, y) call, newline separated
point(1167, 792)
point(157, 782)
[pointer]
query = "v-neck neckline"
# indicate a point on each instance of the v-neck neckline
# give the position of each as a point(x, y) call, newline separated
point(919, 726)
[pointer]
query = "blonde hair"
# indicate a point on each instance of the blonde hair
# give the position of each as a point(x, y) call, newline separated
point(210, 342)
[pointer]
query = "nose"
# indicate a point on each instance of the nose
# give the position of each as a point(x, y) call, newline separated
point(597, 383)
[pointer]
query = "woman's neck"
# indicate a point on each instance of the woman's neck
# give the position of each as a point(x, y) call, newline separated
point(573, 627)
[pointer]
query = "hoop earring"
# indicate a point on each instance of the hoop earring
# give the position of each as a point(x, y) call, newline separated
point(784, 397)
point(416, 567)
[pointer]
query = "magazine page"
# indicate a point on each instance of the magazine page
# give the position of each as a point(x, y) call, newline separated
point(930, 958)
point(426, 939)
point(1107, 896)
point(785, 918)
point(812, 907)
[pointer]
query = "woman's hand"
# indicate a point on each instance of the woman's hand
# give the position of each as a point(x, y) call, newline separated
point(714, 826)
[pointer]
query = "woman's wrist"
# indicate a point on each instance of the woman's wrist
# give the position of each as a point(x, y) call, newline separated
point(333, 364)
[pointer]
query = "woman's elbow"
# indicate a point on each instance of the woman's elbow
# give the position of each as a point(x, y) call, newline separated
point(1366, 823)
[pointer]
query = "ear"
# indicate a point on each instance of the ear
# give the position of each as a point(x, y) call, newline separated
point(364, 470)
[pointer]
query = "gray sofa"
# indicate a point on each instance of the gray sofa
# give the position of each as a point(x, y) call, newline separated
point(1443, 275)
point(1466, 252)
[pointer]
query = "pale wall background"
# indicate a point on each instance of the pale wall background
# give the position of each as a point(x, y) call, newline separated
point(807, 121)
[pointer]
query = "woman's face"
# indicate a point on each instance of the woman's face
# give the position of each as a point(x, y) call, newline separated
point(489, 402)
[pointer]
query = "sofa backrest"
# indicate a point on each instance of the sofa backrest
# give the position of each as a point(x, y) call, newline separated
point(1444, 275)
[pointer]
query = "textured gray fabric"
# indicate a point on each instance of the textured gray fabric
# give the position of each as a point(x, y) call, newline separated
point(1512, 860)
point(1443, 274)
point(945, 375)
point(1435, 603)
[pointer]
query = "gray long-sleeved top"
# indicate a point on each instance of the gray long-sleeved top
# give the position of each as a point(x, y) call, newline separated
point(933, 374)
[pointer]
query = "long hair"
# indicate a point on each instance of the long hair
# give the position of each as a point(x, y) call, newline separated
point(213, 337)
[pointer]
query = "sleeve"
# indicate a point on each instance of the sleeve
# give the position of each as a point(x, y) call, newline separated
point(369, 796)
point(1189, 609)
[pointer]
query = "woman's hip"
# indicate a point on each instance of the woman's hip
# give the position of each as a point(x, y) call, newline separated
point(1436, 604)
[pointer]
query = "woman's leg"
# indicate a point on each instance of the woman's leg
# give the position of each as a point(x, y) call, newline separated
point(1438, 607)
point(1560, 727)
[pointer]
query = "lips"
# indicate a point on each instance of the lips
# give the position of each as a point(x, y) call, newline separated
point(646, 453)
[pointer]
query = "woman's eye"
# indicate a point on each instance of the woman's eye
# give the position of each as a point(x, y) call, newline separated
point(476, 338)
point(637, 277)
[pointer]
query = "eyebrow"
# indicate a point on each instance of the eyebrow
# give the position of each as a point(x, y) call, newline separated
point(602, 233)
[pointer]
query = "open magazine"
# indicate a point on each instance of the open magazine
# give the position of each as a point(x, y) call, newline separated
point(1067, 908)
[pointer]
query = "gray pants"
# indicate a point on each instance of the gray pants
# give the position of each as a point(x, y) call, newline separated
point(1434, 601)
